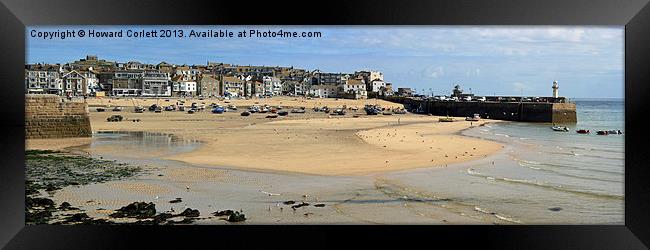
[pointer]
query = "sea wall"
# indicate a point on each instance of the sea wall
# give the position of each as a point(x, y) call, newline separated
point(48, 116)
point(509, 111)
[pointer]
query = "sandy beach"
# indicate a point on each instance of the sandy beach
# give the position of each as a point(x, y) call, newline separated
point(312, 143)
point(239, 160)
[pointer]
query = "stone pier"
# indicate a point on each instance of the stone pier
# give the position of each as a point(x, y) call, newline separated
point(49, 116)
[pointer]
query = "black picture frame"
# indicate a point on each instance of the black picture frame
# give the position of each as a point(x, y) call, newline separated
point(634, 14)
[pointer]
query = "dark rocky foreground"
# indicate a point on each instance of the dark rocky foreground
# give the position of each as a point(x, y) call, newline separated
point(48, 171)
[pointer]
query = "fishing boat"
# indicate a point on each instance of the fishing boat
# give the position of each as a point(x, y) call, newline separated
point(602, 132)
point(474, 118)
point(218, 110)
point(101, 109)
point(560, 128)
point(139, 109)
point(446, 119)
point(245, 113)
point(191, 111)
point(298, 111)
point(153, 107)
point(264, 110)
point(117, 109)
point(371, 110)
point(272, 116)
point(283, 113)
point(582, 131)
point(399, 111)
point(339, 111)
point(614, 132)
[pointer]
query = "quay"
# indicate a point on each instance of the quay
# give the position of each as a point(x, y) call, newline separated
point(552, 110)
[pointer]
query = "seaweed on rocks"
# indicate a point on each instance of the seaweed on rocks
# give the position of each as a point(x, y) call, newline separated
point(190, 213)
point(224, 213)
point(80, 217)
point(66, 206)
point(184, 221)
point(236, 217)
point(233, 216)
point(38, 217)
point(53, 170)
point(38, 202)
point(138, 210)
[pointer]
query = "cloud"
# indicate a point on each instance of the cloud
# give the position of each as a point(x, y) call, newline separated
point(433, 72)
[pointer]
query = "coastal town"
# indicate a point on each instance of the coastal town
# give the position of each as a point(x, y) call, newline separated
point(95, 77)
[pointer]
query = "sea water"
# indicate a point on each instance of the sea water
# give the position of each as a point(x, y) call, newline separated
point(541, 176)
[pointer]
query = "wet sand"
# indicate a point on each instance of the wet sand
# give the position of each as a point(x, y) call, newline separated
point(314, 157)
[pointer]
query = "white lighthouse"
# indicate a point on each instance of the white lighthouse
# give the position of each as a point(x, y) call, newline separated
point(555, 87)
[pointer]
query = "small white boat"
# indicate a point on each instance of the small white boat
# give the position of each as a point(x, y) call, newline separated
point(560, 129)
point(474, 118)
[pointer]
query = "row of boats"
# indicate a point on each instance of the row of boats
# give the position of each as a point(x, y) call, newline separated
point(586, 131)
point(376, 109)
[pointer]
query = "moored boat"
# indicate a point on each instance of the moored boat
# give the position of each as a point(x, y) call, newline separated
point(582, 131)
point(474, 118)
point(245, 113)
point(218, 110)
point(560, 129)
point(446, 119)
point(299, 111)
point(371, 110)
point(602, 132)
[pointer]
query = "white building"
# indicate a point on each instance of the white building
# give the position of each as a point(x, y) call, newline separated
point(156, 84)
point(272, 85)
point(232, 86)
point(79, 83)
point(377, 85)
point(43, 79)
point(323, 91)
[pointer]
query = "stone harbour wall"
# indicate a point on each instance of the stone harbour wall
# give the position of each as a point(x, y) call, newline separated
point(49, 116)
point(509, 111)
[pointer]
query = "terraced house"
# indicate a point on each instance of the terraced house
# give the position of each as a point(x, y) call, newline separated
point(43, 79)
point(232, 86)
point(155, 83)
point(126, 83)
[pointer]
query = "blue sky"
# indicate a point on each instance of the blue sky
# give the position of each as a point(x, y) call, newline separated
point(587, 61)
